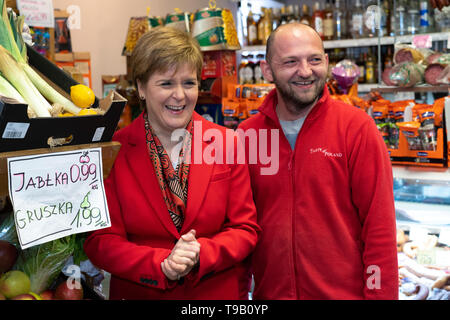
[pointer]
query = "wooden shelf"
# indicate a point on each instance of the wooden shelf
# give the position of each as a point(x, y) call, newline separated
point(109, 153)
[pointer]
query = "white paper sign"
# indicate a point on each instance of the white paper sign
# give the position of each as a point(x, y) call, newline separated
point(57, 194)
point(37, 13)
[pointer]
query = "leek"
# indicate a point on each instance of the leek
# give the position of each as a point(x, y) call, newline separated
point(44, 88)
point(8, 90)
point(27, 81)
point(18, 78)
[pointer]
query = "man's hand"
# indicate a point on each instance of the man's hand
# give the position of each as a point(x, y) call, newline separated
point(183, 258)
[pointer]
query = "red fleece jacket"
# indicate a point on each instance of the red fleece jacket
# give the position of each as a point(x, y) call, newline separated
point(327, 215)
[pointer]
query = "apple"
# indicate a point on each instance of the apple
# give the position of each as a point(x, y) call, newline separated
point(66, 291)
point(47, 295)
point(24, 296)
point(14, 283)
point(8, 256)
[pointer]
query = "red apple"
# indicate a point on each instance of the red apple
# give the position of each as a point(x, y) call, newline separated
point(25, 296)
point(47, 295)
point(8, 256)
point(69, 290)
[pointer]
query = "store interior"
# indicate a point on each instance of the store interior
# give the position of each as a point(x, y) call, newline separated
point(397, 69)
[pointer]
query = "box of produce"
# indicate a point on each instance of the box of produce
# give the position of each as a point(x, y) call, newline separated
point(41, 106)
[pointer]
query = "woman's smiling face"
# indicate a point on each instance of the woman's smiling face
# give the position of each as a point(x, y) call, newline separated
point(170, 98)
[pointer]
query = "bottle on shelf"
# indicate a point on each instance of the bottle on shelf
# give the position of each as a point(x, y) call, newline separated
point(291, 14)
point(259, 78)
point(276, 17)
point(283, 15)
point(370, 67)
point(426, 24)
point(297, 13)
point(388, 58)
point(413, 17)
point(250, 70)
point(260, 26)
point(264, 26)
point(241, 70)
point(361, 64)
point(339, 21)
point(252, 29)
point(372, 18)
point(401, 27)
point(317, 19)
point(357, 24)
point(306, 18)
point(385, 19)
point(328, 21)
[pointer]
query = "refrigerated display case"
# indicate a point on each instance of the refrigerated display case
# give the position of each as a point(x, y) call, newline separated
point(422, 198)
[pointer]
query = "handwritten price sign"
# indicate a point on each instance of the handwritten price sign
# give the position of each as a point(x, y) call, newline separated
point(37, 13)
point(58, 194)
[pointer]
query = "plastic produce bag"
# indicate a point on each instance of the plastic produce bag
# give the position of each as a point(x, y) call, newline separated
point(346, 74)
point(407, 74)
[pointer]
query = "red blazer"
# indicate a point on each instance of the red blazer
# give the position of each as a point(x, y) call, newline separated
point(220, 208)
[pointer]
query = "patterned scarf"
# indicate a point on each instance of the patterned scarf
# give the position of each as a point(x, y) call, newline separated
point(172, 182)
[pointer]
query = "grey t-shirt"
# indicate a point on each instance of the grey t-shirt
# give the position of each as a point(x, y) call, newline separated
point(291, 129)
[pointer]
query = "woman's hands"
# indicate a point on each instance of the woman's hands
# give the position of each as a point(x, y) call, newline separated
point(183, 258)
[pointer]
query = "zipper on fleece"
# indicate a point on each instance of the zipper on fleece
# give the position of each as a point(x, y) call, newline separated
point(292, 212)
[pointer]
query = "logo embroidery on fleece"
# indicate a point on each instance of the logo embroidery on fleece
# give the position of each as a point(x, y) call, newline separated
point(326, 153)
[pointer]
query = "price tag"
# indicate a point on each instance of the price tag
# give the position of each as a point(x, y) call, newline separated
point(422, 41)
point(404, 95)
point(57, 194)
point(37, 13)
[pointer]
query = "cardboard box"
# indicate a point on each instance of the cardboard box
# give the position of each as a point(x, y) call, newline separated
point(219, 71)
point(18, 132)
point(74, 73)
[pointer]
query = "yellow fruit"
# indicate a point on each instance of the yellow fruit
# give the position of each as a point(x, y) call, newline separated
point(38, 297)
point(86, 112)
point(82, 96)
point(66, 114)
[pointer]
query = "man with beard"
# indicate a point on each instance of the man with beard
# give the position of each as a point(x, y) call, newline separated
point(327, 215)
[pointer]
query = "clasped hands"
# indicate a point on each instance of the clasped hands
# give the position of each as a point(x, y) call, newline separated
point(183, 258)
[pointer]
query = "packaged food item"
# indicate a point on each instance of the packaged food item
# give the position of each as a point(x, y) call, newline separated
point(427, 136)
point(380, 115)
point(407, 74)
point(438, 108)
point(427, 130)
point(411, 131)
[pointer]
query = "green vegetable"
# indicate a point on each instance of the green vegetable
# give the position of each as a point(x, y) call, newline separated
point(8, 90)
point(8, 229)
point(43, 263)
point(28, 82)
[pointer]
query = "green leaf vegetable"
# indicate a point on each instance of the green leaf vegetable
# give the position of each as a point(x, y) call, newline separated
point(43, 263)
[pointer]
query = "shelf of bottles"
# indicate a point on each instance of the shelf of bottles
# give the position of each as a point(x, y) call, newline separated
point(348, 32)
point(362, 42)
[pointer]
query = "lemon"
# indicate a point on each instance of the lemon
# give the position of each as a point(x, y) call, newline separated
point(82, 96)
point(86, 112)
point(66, 114)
